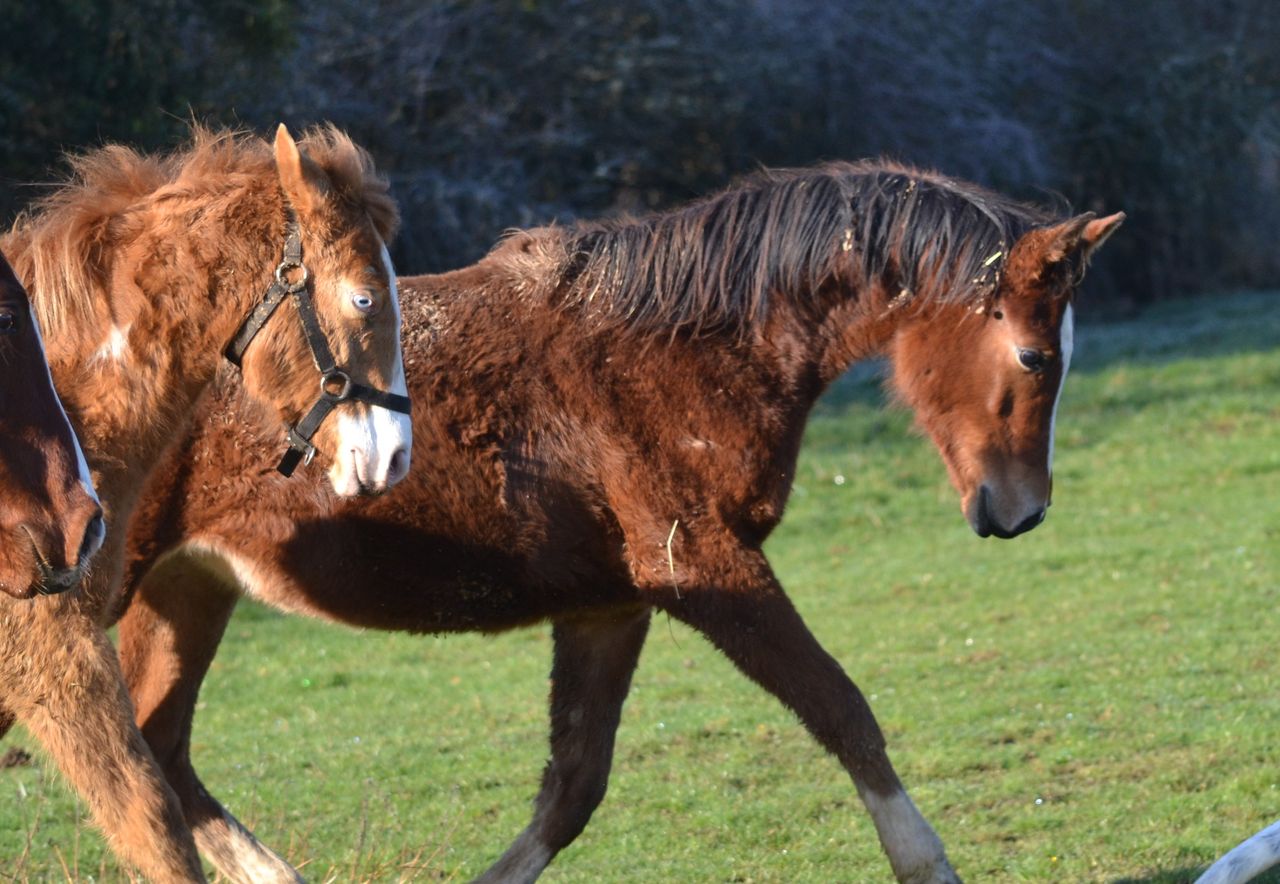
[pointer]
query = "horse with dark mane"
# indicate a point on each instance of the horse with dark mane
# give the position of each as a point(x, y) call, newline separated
point(141, 269)
point(50, 519)
point(608, 419)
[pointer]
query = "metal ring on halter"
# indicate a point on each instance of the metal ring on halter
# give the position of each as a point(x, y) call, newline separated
point(284, 267)
point(338, 376)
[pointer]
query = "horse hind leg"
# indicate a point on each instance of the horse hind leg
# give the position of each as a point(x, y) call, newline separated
point(590, 677)
point(751, 620)
point(169, 635)
point(73, 701)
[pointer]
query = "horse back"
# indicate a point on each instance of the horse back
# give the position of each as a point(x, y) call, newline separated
point(552, 470)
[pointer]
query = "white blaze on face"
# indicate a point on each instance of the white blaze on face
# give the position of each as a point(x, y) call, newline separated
point(374, 443)
point(82, 465)
point(1067, 335)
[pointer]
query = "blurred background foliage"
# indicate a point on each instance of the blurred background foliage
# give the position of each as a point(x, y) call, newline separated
point(490, 114)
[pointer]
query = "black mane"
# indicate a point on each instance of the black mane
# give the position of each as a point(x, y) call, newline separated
point(714, 263)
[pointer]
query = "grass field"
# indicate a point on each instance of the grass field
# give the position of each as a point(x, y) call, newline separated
point(1098, 700)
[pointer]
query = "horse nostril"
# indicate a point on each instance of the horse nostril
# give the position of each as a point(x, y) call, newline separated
point(398, 468)
point(981, 521)
point(94, 533)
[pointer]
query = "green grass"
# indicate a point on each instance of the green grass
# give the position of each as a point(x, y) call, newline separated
point(1096, 701)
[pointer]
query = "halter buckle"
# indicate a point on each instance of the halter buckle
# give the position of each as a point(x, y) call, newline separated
point(336, 377)
point(290, 264)
point(302, 446)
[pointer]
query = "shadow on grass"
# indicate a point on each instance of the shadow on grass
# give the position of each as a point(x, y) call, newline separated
point(1189, 874)
point(1173, 876)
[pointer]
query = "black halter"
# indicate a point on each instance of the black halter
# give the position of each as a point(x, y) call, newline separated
point(335, 384)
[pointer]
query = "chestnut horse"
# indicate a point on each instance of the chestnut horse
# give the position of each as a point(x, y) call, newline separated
point(611, 417)
point(140, 270)
point(50, 519)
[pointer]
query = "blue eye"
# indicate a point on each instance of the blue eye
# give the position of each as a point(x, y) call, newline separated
point(363, 302)
point(1032, 360)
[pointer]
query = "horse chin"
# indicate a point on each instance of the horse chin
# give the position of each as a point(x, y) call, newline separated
point(21, 574)
point(20, 591)
point(993, 530)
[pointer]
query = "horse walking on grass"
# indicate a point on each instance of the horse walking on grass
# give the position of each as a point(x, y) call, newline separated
point(141, 272)
point(608, 418)
point(50, 518)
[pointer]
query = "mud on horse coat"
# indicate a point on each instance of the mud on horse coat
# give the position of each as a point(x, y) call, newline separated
point(608, 419)
point(50, 519)
point(140, 271)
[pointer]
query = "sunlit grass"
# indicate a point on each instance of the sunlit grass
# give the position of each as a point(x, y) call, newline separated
point(1098, 700)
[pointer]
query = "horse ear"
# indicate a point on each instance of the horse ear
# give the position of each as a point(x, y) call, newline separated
point(301, 179)
point(1078, 236)
point(1095, 233)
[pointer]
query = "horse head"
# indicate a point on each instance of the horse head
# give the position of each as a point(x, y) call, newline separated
point(337, 271)
point(984, 382)
point(50, 519)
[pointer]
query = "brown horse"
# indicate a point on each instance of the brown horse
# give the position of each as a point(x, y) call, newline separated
point(611, 416)
point(140, 271)
point(50, 519)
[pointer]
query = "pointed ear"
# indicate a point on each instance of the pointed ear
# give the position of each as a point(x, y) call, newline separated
point(1078, 236)
point(1095, 233)
point(1062, 239)
point(303, 182)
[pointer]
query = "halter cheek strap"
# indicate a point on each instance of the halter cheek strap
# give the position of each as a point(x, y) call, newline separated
point(335, 384)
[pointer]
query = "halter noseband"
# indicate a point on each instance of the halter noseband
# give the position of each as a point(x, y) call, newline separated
point(335, 384)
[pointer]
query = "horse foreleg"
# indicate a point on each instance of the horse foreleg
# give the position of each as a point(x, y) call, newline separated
point(757, 627)
point(67, 689)
point(168, 637)
point(590, 677)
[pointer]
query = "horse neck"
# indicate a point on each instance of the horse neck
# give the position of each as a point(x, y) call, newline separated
point(846, 326)
point(177, 292)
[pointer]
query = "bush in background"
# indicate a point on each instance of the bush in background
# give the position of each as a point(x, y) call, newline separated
point(489, 114)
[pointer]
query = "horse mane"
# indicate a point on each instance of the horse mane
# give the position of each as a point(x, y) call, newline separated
point(63, 244)
point(715, 263)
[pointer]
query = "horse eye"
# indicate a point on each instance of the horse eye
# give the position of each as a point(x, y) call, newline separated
point(363, 302)
point(1032, 360)
point(8, 323)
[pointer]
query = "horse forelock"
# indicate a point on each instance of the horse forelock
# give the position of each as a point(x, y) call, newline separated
point(716, 263)
point(353, 174)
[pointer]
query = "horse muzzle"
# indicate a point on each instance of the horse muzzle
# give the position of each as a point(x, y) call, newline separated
point(986, 520)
